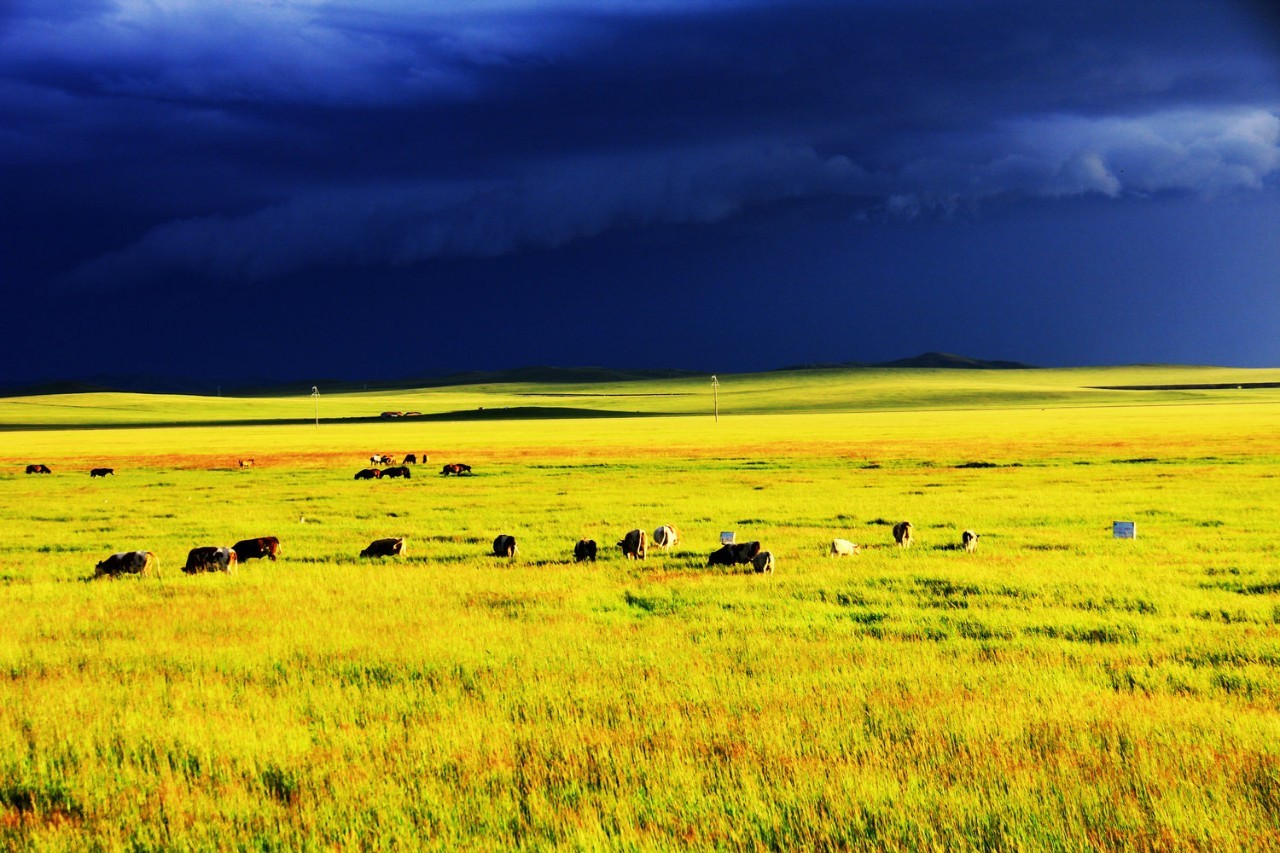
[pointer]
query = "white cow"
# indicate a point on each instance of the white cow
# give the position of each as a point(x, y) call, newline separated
point(843, 548)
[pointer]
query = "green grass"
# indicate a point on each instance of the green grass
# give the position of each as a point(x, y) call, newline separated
point(819, 391)
point(1056, 689)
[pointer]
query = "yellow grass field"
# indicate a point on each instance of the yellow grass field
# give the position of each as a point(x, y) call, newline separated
point(1057, 688)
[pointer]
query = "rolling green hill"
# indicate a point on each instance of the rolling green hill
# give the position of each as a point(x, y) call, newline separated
point(836, 389)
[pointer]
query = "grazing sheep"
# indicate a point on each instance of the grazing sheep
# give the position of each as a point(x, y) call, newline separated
point(902, 533)
point(969, 540)
point(842, 548)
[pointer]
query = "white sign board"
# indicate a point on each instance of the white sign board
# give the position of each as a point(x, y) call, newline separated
point(1124, 530)
point(726, 537)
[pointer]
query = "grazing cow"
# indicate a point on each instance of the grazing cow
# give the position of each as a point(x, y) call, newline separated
point(399, 471)
point(842, 548)
point(102, 472)
point(455, 468)
point(368, 474)
point(505, 546)
point(246, 463)
point(666, 537)
point(635, 545)
point(410, 459)
point(141, 563)
point(584, 550)
point(734, 554)
point(210, 559)
point(763, 562)
point(38, 469)
point(969, 541)
point(384, 548)
point(902, 533)
point(256, 549)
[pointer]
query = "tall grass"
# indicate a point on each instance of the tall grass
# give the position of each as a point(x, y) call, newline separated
point(1056, 689)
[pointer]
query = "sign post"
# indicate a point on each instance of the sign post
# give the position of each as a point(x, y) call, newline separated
point(1124, 530)
point(715, 396)
point(315, 395)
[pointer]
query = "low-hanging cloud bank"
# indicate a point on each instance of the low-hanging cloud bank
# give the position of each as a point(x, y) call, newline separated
point(553, 204)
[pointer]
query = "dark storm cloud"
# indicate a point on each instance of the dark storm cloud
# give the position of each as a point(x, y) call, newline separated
point(252, 140)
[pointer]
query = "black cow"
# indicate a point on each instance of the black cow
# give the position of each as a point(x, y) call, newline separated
point(399, 471)
point(505, 546)
point(734, 554)
point(410, 459)
point(210, 558)
point(584, 550)
point(455, 468)
point(38, 469)
point(635, 545)
point(102, 472)
point(384, 548)
point(256, 549)
point(368, 474)
point(140, 563)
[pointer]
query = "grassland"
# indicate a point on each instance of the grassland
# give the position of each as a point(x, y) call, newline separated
point(1057, 689)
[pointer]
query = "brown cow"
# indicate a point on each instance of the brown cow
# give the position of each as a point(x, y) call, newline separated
point(902, 533)
point(399, 471)
point(246, 463)
point(505, 546)
point(368, 474)
point(38, 469)
point(256, 549)
point(455, 468)
point(635, 545)
point(141, 563)
point(102, 472)
point(210, 558)
point(384, 548)
point(734, 554)
point(584, 550)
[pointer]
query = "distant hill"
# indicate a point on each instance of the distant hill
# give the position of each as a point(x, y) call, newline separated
point(149, 384)
point(946, 359)
point(551, 375)
point(928, 359)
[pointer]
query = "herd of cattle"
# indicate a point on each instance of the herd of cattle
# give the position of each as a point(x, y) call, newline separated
point(203, 559)
point(634, 545)
point(402, 470)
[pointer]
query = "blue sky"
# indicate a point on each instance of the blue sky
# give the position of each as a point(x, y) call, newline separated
point(379, 189)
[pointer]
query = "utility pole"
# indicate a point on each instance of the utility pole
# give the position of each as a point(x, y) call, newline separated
point(315, 395)
point(715, 396)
